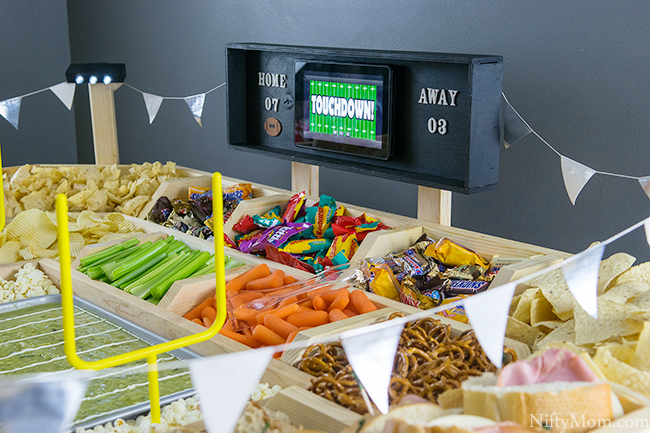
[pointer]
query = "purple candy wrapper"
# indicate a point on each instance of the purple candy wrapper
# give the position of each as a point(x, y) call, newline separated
point(274, 236)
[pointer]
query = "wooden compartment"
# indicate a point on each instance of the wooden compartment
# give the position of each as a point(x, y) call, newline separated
point(265, 204)
point(178, 188)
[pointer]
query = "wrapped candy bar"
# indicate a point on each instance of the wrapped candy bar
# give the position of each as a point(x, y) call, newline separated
point(318, 246)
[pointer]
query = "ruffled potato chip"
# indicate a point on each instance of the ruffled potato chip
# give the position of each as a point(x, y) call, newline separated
point(77, 243)
point(34, 224)
point(9, 252)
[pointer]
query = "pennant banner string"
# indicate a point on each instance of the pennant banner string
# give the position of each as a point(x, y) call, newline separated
point(606, 173)
point(178, 97)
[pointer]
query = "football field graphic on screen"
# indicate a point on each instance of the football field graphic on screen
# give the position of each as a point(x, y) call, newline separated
point(345, 112)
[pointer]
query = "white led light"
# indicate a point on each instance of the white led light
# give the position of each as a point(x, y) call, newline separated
point(79, 79)
point(92, 79)
point(107, 79)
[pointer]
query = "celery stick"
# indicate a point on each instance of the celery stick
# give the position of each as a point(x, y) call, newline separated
point(135, 262)
point(97, 266)
point(92, 258)
point(153, 272)
point(162, 277)
point(232, 263)
point(188, 268)
point(128, 278)
point(141, 289)
point(110, 258)
point(108, 267)
point(152, 300)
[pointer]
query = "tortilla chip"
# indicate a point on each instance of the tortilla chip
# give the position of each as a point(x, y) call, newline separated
point(565, 333)
point(613, 321)
point(642, 301)
point(513, 305)
point(523, 332)
point(611, 268)
point(620, 372)
point(541, 311)
point(548, 324)
point(622, 293)
point(641, 359)
point(636, 273)
point(522, 312)
point(556, 292)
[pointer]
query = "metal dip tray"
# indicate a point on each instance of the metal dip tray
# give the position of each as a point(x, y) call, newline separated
point(138, 331)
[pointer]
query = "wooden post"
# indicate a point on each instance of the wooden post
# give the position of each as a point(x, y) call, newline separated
point(434, 205)
point(102, 115)
point(304, 177)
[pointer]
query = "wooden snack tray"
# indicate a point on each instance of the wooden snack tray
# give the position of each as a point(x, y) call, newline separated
point(178, 188)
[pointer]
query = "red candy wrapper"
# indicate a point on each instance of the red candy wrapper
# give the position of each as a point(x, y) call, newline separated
point(246, 225)
point(272, 253)
point(294, 207)
point(229, 242)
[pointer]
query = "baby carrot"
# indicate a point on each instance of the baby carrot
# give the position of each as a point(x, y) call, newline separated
point(207, 322)
point(196, 312)
point(340, 302)
point(283, 312)
point(361, 302)
point(319, 291)
point(244, 297)
point(210, 313)
point(198, 321)
point(349, 312)
point(245, 314)
point(243, 339)
point(319, 304)
point(266, 336)
point(336, 315)
point(309, 303)
point(309, 318)
point(260, 316)
point(288, 279)
point(279, 326)
point(288, 301)
point(229, 325)
point(239, 283)
point(302, 309)
point(330, 296)
point(271, 282)
point(247, 332)
point(292, 336)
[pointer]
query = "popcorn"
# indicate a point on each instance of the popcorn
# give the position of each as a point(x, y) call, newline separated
point(29, 283)
point(263, 391)
point(179, 413)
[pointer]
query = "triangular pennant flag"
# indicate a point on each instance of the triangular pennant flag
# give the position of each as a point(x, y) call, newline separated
point(153, 105)
point(196, 106)
point(65, 92)
point(45, 405)
point(224, 384)
point(488, 314)
point(10, 110)
point(514, 127)
point(371, 355)
point(645, 184)
point(575, 176)
point(581, 276)
point(646, 227)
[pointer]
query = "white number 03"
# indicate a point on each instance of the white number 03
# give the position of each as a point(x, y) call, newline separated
point(439, 126)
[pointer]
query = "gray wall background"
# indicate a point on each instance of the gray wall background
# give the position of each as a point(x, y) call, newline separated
point(577, 71)
point(34, 54)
